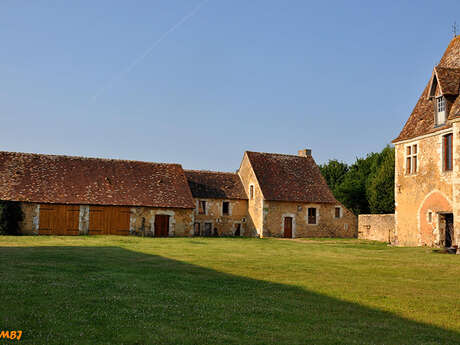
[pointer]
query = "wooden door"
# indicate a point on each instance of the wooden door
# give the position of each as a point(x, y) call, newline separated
point(161, 225)
point(97, 220)
point(119, 221)
point(288, 227)
point(71, 217)
point(48, 220)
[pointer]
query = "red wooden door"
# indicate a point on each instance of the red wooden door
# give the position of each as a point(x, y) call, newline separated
point(161, 225)
point(288, 227)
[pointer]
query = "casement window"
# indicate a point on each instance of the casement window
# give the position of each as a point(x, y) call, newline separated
point(312, 215)
point(440, 110)
point(197, 227)
point(225, 208)
point(202, 207)
point(251, 192)
point(411, 159)
point(338, 212)
point(447, 152)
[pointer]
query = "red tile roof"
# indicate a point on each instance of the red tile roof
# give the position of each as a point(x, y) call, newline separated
point(448, 79)
point(215, 185)
point(421, 121)
point(77, 180)
point(290, 178)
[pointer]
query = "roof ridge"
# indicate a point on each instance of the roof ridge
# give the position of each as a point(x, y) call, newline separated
point(210, 171)
point(86, 158)
point(278, 154)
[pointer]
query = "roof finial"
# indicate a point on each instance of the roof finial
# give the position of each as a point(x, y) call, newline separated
point(454, 29)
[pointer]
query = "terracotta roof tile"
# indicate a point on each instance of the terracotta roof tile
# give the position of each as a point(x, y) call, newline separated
point(77, 180)
point(290, 178)
point(215, 185)
point(421, 121)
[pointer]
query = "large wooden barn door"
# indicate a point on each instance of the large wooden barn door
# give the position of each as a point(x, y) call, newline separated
point(97, 221)
point(48, 218)
point(120, 221)
point(161, 225)
point(59, 220)
point(109, 220)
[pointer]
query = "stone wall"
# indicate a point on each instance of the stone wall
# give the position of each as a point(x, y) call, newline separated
point(427, 191)
point(376, 227)
point(256, 203)
point(326, 226)
point(142, 220)
point(225, 225)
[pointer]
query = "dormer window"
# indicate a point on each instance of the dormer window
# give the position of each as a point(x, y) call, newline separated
point(440, 110)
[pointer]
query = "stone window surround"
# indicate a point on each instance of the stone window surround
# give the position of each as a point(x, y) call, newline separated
point(412, 155)
point(317, 215)
point(288, 215)
point(230, 206)
point(205, 207)
point(443, 154)
point(341, 212)
point(251, 191)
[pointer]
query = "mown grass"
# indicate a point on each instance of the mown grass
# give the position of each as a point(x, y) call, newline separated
point(127, 290)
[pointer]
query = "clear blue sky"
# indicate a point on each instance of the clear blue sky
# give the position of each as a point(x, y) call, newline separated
point(339, 77)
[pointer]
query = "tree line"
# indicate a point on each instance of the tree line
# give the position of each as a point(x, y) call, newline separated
point(367, 185)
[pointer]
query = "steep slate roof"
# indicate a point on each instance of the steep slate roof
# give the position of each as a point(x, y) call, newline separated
point(447, 72)
point(77, 180)
point(290, 178)
point(215, 185)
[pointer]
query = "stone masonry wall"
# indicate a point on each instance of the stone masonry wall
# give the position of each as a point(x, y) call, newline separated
point(417, 195)
point(225, 224)
point(142, 221)
point(256, 204)
point(327, 225)
point(376, 227)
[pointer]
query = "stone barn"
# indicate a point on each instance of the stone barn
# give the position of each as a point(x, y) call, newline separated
point(62, 195)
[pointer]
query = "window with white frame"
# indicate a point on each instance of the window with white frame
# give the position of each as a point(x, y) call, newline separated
point(411, 159)
point(440, 110)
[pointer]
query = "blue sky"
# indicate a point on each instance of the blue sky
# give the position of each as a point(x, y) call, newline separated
point(339, 77)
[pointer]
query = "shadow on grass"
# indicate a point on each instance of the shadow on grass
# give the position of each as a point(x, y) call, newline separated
point(110, 295)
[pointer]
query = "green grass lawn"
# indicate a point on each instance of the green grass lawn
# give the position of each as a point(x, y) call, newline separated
point(127, 290)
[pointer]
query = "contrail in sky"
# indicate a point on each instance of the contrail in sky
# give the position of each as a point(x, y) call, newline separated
point(147, 52)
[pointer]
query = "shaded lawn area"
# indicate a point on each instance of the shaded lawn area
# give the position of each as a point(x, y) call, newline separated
point(126, 290)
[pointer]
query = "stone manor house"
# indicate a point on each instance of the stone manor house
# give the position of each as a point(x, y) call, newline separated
point(270, 195)
point(427, 169)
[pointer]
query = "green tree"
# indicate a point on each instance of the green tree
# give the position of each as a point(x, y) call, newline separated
point(366, 186)
point(334, 172)
point(380, 190)
point(10, 217)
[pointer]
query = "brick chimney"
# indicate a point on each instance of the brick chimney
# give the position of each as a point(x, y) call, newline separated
point(304, 153)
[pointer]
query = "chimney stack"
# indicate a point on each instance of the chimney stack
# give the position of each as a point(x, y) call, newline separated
point(304, 153)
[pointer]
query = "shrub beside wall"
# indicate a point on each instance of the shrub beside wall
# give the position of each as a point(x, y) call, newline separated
point(10, 217)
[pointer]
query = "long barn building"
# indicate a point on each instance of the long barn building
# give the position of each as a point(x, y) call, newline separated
point(270, 195)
